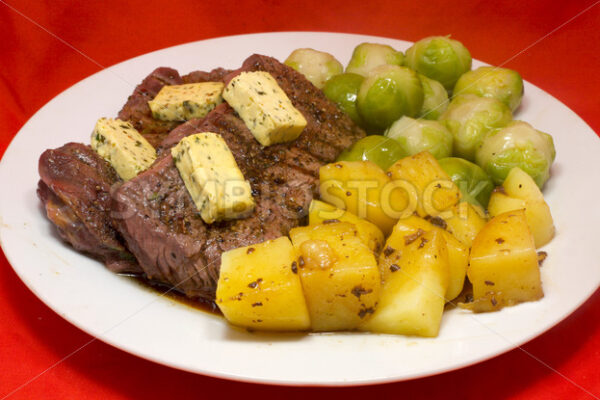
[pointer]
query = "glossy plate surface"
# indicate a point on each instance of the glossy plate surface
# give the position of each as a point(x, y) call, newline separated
point(120, 312)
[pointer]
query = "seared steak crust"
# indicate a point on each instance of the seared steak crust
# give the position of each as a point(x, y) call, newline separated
point(75, 190)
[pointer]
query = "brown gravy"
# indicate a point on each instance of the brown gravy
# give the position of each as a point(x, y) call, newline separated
point(173, 294)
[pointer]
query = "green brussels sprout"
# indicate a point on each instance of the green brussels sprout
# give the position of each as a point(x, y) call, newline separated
point(417, 135)
point(381, 150)
point(502, 84)
point(439, 58)
point(435, 99)
point(475, 185)
point(342, 89)
point(367, 56)
point(387, 94)
point(517, 145)
point(469, 118)
point(316, 66)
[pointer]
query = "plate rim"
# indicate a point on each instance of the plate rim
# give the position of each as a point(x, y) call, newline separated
point(475, 360)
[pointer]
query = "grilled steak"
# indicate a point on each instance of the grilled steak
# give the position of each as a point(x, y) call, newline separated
point(160, 223)
point(75, 190)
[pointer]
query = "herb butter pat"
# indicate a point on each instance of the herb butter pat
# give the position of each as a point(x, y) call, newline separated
point(212, 177)
point(184, 102)
point(119, 143)
point(264, 107)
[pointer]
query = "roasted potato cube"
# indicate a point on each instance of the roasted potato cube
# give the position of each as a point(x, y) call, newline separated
point(465, 222)
point(435, 190)
point(503, 264)
point(321, 212)
point(339, 275)
point(412, 297)
point(458, 253)
point(259, 287)
point(519, 191)
point(365, 190)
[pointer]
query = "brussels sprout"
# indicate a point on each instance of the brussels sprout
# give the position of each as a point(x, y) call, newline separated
point(342, 89)
point(474, 184)
point(469, 118)
point(387, 94)
point(517, 145)
point(367, 56)
point(381, 150)
point(502, 84)
point(435, 99)
point(316, 66)
point(439, 58)
point(417, 135)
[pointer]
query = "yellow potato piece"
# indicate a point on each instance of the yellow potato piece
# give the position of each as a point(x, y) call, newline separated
point(259, 287)
point(412, 297)
point(458, 253)
point(503, 265)
point(339, 275)
point(436, 192)
point(365, 190)
point(370, 234)
point(521, 185)
point(465, 222)
point(520, 191)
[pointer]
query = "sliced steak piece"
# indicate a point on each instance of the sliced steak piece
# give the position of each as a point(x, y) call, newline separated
point(137, 111)
point(75, 190)
point(161, 225)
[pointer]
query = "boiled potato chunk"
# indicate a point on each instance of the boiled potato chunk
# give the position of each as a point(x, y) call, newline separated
point(503, 265)
point(519, 191)
point(537, 211)
point(458, 253)
point(458, 259)
point(365, 190)
point(321, 212)
point(339, 275)
point(540, 221)
point(412, 297)
point(521, 185)
point(500, 203)
point(435, 190)
point(259, 287)
point(466, 222)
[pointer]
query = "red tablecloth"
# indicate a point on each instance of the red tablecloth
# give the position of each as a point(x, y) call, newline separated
point(552, 44)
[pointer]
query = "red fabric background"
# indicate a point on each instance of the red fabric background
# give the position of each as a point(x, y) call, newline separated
point(36, 66)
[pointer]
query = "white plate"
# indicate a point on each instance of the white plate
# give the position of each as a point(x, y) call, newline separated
point(120, 312)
